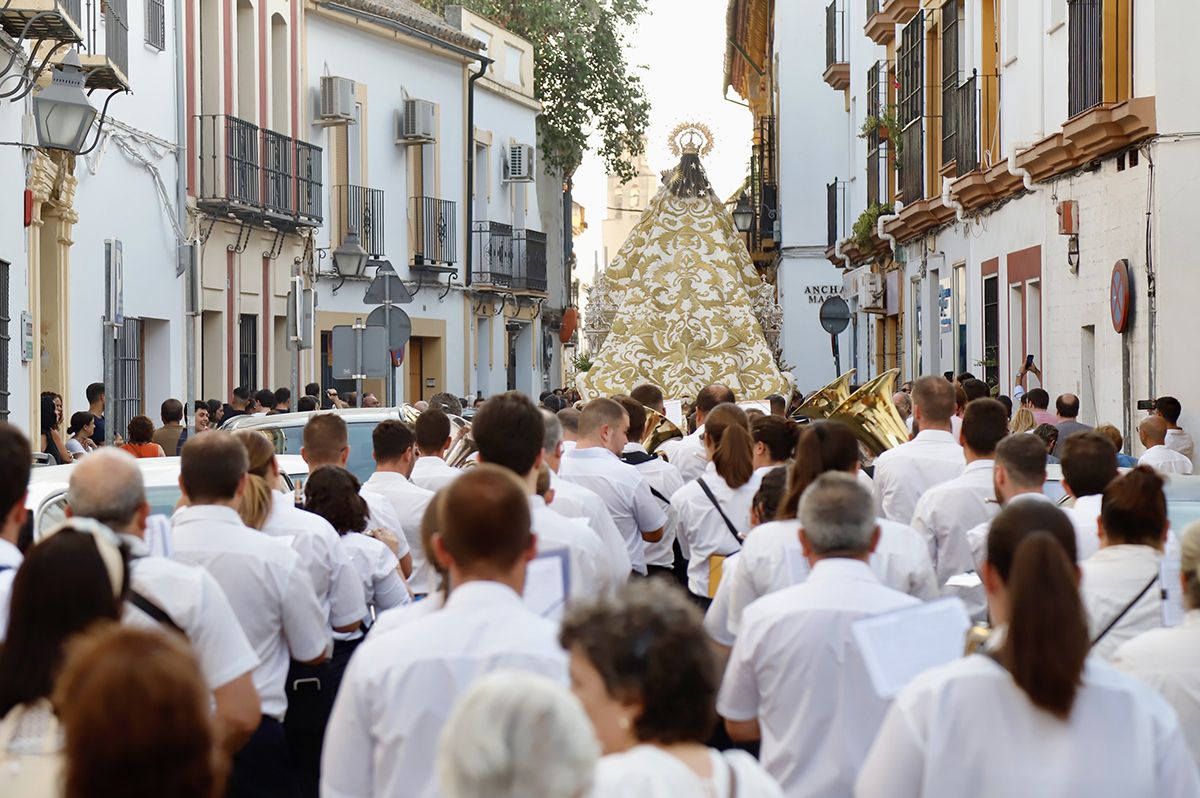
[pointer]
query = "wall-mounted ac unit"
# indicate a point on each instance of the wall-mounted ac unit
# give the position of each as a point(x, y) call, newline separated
point(416, 123)
point(337, 101)
point(518, 167)
point(870, 293)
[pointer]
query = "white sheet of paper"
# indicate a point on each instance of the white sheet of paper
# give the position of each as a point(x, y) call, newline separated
point(757, 404)
point(968, 579)
point(673, 410)
point(896, 646)
point(547, 583)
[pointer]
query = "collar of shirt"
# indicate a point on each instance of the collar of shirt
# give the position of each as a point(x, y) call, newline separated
point(387, 478)
point(979, 465)
point(482, 594)
point(1022, 497)
point(137, 546)
point(10, 554)
point(537, 502)
point(635, 447)
point(593, 452)
point(841, 568)
point(211, 513)
point(695, 436)
point(1087, 504)
point(935, 436)
point(430, 461)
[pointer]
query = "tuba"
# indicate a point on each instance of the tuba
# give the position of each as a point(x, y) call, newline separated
point(408, 414)
point(873, 417)
point(462, 445)
point(824, 402)
point(659, 429)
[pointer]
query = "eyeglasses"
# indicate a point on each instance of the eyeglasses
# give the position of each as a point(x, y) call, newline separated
point(108, 546)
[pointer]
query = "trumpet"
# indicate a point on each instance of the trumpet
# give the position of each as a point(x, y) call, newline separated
point(872, 415)
point(462, 445)
point(824, 402)
point(659, 429)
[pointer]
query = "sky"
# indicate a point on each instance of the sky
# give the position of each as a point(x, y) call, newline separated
point(678, 48)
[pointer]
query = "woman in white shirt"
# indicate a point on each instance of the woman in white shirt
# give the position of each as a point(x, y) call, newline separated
point(775, 440)
point(1036, 715)
point(1120, 581)
point(79, 442)
point(647, 677)
point(1169, 659)
point(713, 510)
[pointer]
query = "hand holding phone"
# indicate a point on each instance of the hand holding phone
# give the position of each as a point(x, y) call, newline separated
point(1028, 362)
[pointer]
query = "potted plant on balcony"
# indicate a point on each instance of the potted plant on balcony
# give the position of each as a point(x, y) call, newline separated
point(863, 232)
point(889, 131)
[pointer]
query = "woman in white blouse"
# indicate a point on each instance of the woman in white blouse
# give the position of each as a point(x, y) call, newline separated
point(775, 440)
point(1169, 659)
point(647, 677)
point(1036, 715)
point(713, 511)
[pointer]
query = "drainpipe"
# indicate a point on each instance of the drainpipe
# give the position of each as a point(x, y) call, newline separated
point(185, 253)
point(949, 201)
point(837, 251)
point(484, 62)
point(884, 219)
point(1010, 155)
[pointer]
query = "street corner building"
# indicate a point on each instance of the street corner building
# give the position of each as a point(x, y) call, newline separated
point(681, 305)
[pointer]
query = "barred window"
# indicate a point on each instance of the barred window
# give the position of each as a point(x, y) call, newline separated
point(156, 24)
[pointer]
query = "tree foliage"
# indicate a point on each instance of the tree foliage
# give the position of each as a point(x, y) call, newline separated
point(581, 75)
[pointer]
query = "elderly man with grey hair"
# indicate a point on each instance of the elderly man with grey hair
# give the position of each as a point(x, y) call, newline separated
point(107, 486)
point(796, 671)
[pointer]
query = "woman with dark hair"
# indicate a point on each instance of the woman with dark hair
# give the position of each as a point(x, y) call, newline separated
point(80, 431)
point(73, 578)
point(1120, 586)
point(134, 710)
point(140, 441)
point(52, 443)
point(775, 441)
point(647, 677)
point(1034, 715)
point(713, 511)
point(771, 559)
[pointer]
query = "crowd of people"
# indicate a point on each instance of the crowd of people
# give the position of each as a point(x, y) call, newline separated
point(572, 615)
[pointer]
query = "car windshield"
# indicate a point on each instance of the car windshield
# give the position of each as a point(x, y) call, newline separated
point(288, 440)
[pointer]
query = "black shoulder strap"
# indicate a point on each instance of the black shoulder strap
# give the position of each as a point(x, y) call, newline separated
point(4, 568)
point(637, 458)
point(156, 612)
point(660, 497)
point(1127, 608)
point(729, 524)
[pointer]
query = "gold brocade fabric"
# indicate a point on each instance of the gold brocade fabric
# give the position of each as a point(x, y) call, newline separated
point(684, 291)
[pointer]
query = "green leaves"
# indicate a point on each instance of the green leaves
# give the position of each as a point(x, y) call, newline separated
point(581, 76)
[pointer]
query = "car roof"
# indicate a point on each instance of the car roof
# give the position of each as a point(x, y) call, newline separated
point(300, 418)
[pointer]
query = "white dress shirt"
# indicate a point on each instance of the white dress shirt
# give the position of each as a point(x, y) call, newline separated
point(567, 445)
point(689, 455)
point(320, 549)
point(646, 771)
point(195, 602)
point(664, 478)
point(407, 613)
point(588, 576)
point(1165, 460)
point(797, 668)
point(432, 473)
point(382, 737)
point(379, 580)
point(702, 531)
point(408, 502)
point(977, 535)
point(902, 474)
point(1181, 441)
point(771, 559)
point(1169, 661)
point(624, 491)
point(1111, 578)
point(268, 587)
point(967, 729)
point(10, 561)
point(1085, 518)
point(576, 501)
point(945, 512)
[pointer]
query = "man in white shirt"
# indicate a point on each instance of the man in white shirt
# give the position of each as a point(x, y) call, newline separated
point(107, 486)
point(934, 456)
point(568, 417)
point(576, 501)
point(432, 431)
point(796, 678)
point(1169, 409)
point(664, 480)
point(945, 512)
point(509, 431)
point(593, 463)
point(1089, 464)
point(267, 586)
point(401, 686)
point(1164, 460)
point(1018, 476)
point(689, 454)
point(15, 464)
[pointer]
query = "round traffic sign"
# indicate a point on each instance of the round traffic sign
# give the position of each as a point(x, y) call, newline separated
point(397, 323)
point(834, 315)
point(1120, 296)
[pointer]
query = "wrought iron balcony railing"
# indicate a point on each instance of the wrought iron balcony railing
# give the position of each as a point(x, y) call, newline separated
point(360, 209)
point(434, 228)
point(966, 139)
point(1085, 55)
point(46, 20)
point(493, 254)
point(831, 213)
point(529, 255)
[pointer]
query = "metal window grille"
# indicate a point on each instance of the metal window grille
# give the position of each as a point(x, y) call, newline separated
point(5, 337)
point(248, 351)
point(156, 24)
point(127, 399)
point(875, 137)
point(911, 109)
point(764, 193)
point(529, 252)
point(116, 33)
point(831, 35)
point(1085, 71)
point(950, 79)
point(277, 178)
point(872, 8)
point(991, 330)
point(966, 107)
point(308, 180)
point(361, 210)
point(435, 226)
point(831, 212)
point(493, 254)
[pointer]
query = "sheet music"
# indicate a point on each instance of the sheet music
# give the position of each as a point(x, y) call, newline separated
point(897, 646)
point(548, 583)
point(673, 410)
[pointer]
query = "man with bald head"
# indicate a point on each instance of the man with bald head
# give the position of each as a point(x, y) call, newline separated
point(1067, 407)
point(107, 486)
point(689, 454)
point(934, 456)
point(1164, 460)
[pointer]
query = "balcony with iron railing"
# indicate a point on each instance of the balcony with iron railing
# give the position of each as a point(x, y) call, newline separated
point(360, 209)
point(43, 20)
point(764, 191)
point(837, 65)
point(107, 64)
point(833, 228)
point(880, 27)
point(529, 260)
point(434, 232)
point(912, 162)
point(492, 254)
point(1085, 56)
point(966, 127)
point(256, 175)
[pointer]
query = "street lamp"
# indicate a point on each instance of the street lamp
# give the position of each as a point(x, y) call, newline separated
point(61, 110)
point(743, 214)
point(349, 258)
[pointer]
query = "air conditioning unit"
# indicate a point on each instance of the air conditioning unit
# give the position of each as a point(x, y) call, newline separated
point(337, 101)
point(518, 168)
point(416, 123)
point(870, 293)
